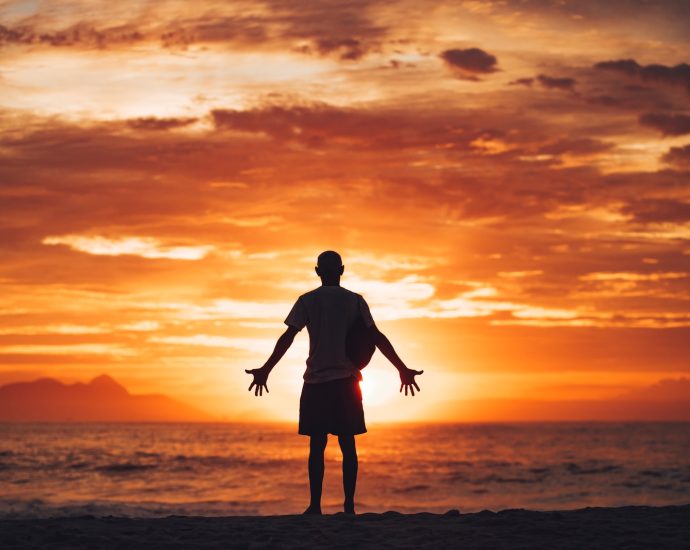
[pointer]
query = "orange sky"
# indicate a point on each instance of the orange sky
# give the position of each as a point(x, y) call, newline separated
point(508, 183)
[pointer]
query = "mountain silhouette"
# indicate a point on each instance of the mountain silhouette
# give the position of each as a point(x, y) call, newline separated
point(668, 389)
point(101, 400)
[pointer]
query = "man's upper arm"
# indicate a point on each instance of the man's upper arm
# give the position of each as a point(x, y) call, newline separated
point(291, 331)
point(297, 318)
point(365, 313)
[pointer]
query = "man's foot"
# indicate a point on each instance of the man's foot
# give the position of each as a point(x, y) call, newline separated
point(312, 511)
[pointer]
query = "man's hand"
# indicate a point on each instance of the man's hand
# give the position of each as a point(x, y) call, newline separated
point(407, 379)
point(260, 378)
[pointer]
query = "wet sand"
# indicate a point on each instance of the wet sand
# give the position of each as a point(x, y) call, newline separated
point(627, 527)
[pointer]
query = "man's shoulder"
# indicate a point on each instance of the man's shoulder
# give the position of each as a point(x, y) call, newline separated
point(308, 294)
point(328, 289)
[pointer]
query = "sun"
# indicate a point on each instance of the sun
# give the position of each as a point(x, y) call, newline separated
point(378, 387)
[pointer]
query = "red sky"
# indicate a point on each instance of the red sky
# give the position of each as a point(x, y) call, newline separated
point(508, 183)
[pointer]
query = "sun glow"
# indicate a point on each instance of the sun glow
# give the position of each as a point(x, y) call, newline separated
point(377, 389)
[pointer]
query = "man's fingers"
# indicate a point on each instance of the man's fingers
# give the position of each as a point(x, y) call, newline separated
point(401, 387)
point(248, 371)
point(406, 386)
point(412, 391)
point(266, 386)
point(415, 385)
point(419, 372)
point(261, 390)
point(256, 390)
point(251, 386)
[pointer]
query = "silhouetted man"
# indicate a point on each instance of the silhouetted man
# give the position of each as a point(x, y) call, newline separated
point(331, 400)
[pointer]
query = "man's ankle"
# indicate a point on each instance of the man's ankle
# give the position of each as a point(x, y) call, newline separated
point(313, 510)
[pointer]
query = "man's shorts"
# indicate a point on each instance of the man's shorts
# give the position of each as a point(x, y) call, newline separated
point(333, 407)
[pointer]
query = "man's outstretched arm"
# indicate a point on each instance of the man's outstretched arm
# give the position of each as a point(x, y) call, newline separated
point(261, 374)
point(406, 375)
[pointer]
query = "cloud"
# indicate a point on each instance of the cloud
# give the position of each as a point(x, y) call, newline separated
point(582, 146)
point(668, 125)
point(153, 123)
point(678, 75)
point(225, 309)
point(347, 49)
point(658, 211)
point(316, 29)
point(34, 330)
point(520, 274)
point(550, 82)
point(113, 350)
point(146, 247)
point(469, 63)
point(632, 276)
point(323, 125)
point(678, 156)
point(522, 82)
point(606, 101)
point(556, 83)
point(82, 34)
point(254, 345)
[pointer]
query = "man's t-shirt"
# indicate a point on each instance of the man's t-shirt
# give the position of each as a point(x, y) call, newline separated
point(328, 312)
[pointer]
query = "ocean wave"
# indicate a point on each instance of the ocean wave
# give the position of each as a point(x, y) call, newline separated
point(591, 468)
point(122, 469)
point(138, 461)
point(39, 508)
point(125, 468)
point(412, 489)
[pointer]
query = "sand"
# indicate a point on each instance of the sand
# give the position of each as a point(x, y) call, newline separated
point(627, 527)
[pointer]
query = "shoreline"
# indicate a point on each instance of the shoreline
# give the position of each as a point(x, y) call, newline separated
point(623, 527)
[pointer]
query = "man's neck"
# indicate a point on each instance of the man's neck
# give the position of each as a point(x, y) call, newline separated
point(330, 282)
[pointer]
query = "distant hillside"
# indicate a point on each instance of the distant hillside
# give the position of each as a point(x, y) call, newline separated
point(101, 400)
point(667, 400)
point(664, 390)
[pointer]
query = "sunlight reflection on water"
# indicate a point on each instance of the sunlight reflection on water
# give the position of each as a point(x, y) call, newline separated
point(161, 469)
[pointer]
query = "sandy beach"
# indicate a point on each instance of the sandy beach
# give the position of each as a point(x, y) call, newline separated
point(627, 527)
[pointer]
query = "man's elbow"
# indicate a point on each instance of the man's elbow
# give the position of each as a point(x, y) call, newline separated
point(377, 336)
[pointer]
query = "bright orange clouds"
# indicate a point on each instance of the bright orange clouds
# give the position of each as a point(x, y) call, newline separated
point(508, 187)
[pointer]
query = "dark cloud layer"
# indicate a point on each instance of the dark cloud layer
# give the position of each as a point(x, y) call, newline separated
point(82, 34)
point(679, 156)
point(527, 81)
point(347, 48)
point(678, 75)
point(668, 125)
point(153, 123)
point(470, 62)
point(550, 82)
point(658, 211)
point(561, 83)
point(323, 125)
point(342, 29)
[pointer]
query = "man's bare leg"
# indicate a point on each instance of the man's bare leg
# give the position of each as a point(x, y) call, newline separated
point(317, 446)
point(350, 464)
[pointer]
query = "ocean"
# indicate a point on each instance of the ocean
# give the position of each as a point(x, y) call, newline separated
point(150, 470)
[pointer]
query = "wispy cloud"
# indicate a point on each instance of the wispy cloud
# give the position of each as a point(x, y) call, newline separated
point(146, 247)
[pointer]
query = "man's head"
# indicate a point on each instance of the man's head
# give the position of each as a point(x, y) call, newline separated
point(329, 265)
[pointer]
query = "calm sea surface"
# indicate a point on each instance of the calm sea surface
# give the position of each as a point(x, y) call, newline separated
point(222, 469)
